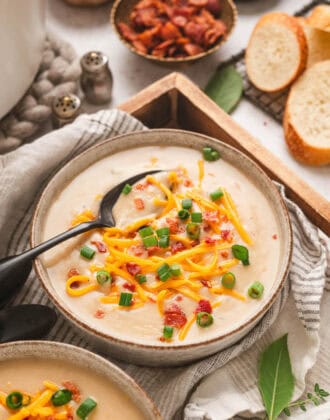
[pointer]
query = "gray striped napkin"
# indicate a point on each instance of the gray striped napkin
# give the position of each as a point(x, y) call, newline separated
point(25, 172)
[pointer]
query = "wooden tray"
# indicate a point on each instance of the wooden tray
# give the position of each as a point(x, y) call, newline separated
point(176, 102)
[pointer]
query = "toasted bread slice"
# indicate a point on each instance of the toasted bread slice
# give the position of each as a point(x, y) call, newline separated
point(277, 52)
point(318, 43)
point(320, 18)
point(307, 116)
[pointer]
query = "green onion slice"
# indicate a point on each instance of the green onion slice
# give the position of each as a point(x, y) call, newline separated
point(215, 195)
point(193, 230)
point(150, 241)
point(196, 217)
point(125, 299)
point(164, 276)
point(103, 277)
point(175, 269)
point(127, 189)
point(164, 231)
point(167, 332)
point(146, 231)
point(256, 290)
point(183, 214)
point(228, 280)
point(61, 397)
point(14, 400)
point(186, 203)
point(87, 252)
point(210, 154)
point(164, 241)
point(85, 408)
point(204, 319)
point(164, 268)
point(141, 278)
point(241, 253)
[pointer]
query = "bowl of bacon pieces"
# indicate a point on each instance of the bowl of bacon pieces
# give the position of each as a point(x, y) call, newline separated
point(173, 31)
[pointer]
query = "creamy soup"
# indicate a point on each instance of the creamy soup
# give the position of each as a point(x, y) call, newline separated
point(177, 234)
point(35, 378)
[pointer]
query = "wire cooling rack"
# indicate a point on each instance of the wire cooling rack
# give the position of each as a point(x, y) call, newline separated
point(272, 103)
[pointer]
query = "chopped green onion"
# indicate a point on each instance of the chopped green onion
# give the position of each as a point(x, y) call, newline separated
point(204, 319)
point(241, 253)
point(164, 241)
point(193, 230)
point(215, 195)
point(87, 252)
point(183, 214)
point(175, 269)
point(164, 276)
point(164, 272)
point(210, 154)
point(186, 203)
point(150, 241)
point(127, 189)
point(196, 217)
point(85, 408)
point(141, 278)
point(14, 400)
point(146, 231)
point(167, 332)
point(125, 299)
point(103, 277)
point(228, 280)
point(165, 231)
point(61, 397)
point(256, 290)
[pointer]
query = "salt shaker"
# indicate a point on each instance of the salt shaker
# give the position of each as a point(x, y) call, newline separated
point(65, 109)
point(96, 78)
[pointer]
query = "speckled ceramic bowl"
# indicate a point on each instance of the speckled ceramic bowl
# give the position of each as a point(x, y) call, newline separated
point(75, 356)
point(179, 353)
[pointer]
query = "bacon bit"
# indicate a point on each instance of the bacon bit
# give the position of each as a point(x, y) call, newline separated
point(188, 182)
point(99, 314)
point(211, 216)
point(173, 224)
point(75, 285)
point(153, 249)
point(174, 316)
point(133, 268)
point(203, 306)
point(177, 247)
point(76, 396)
point(100, 246)
point(210, 241)
point(227, 235)
point(72, 272)
point(141, 186)
point(129, 286)
point(138, 250)
point(179, 298)
point(139, 203)
point(162, 339)
point(274, 236)
point(206, 227)
point(224, 254)
point(180, 21)
point(206, 283)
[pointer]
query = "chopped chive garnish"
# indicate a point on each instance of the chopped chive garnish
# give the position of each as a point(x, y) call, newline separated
point(183, 214)
point(164, 241)
point(175, 269)
point(196, 217)
point(215, 195)
point(141, 278)
point(164, 276)
point(87, 252)
point(256, 290)
point(241, 253)
point(210, 154)
point(61, 397)
point(103, 277)
point(146, 231)
point(150, 241)
point(125, 299)
point(164, 231)
point(163, 268)
point(193, 230)
point(186, 203)
point(228, 280)
point(127, 189)
point(167, 332)
point(204, 319)
point(14, 400)
point(85, 408)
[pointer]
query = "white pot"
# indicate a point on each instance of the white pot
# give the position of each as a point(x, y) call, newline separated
point(22, 34)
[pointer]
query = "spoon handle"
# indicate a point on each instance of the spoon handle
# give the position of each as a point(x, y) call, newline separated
point(14, 270)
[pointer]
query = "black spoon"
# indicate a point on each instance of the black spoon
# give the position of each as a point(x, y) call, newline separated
point(15, 269)
point(26, 322)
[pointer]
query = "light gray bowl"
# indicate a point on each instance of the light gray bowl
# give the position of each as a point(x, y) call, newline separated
point(172, 354)
point(49, 350)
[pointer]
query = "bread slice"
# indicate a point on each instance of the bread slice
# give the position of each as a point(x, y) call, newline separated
point(318, 43)
point(320, 18)
point(277, 52)
point(307, 116)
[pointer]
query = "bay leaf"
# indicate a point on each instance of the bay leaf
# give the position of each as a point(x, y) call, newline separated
point(225, 88)
point(276, 381)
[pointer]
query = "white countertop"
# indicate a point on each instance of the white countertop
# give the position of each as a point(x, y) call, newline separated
point(89, 29)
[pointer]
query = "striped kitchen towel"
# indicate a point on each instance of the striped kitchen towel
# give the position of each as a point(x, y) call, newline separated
point(231, 388)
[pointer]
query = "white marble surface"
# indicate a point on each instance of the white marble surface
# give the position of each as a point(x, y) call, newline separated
point(89, 29)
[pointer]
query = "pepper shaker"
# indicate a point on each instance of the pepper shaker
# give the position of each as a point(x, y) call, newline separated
point(96, 79)
point(65, 109)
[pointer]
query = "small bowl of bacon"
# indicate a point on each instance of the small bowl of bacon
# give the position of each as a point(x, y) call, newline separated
point(173, 31)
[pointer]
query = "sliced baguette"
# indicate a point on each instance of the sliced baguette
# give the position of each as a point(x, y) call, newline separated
point(277, 52)
point(318, 43)
point(307, 116)
point(320, 18)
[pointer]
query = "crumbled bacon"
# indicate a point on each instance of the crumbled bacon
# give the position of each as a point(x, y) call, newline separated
point(210, 241)
point(99, 314)
point(211, 216)
point(204, 306)
point(177, 247)
point(138, 250)
point(72, 272)
point(174, 316)
point(274, 236)
point(153, 249)
point(141, 186)
point(139, 203)
point(224, 254)
point(173, 224)
point(226, 235)
point(75, 285)
point(76, 396)
point(179, 298)
point(206, 283)
point(187, 182)
point(129, 286)
point(100, 246)
point(133, 268)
